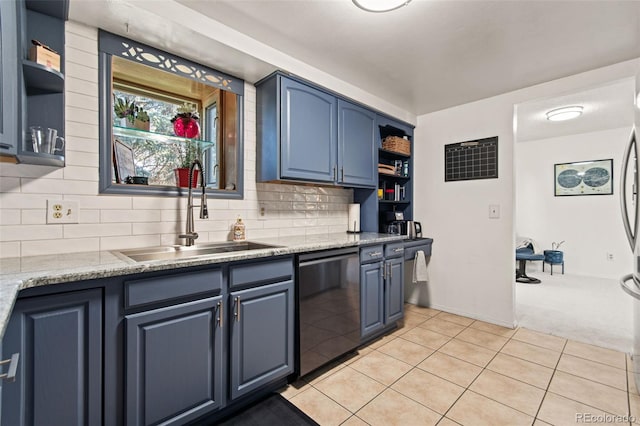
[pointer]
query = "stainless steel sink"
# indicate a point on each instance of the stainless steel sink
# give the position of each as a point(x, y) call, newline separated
point(184, 252)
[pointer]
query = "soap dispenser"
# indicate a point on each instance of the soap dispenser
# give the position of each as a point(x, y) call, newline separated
point(239, 230)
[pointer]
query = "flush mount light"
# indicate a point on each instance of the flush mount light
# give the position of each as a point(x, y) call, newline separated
point(564, 113)
point(380, 5)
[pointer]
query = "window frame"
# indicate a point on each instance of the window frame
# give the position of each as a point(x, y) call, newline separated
point(110, 45)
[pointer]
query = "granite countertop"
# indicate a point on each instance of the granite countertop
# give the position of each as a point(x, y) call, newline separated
point(25, 272)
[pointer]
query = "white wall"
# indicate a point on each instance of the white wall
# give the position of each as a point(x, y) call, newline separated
point(472, 265)
point(470, 269)
point(590, 225)
point(117, 222)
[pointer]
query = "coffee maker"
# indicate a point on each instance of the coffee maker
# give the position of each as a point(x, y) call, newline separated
point(397, 225)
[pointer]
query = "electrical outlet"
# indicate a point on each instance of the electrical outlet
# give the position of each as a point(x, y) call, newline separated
point(610, 256)
point(62, 211)
point(262, 212)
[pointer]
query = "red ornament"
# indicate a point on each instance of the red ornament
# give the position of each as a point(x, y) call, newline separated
point(192, 128)
point(186, 127)
point(178, 127)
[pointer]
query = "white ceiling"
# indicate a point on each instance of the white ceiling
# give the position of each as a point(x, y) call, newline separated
point(435, 54)
point(605, 107)
point(421, 58)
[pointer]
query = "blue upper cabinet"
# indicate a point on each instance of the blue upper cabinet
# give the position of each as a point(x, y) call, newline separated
point(308, 133)
point(356, 145)
point(8, 78)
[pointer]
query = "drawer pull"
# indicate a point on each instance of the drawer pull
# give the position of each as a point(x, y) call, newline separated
point(237, 312)
point(398, 250)
point(375, 253)
point(10, 375)
point(220, 313)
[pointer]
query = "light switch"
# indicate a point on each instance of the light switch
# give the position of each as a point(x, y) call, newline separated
point(494, 211)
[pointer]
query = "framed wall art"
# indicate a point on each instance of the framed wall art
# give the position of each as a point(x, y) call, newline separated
point(124, 165)
point(584, 178)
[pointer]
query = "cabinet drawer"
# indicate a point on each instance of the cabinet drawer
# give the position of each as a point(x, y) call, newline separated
point(410, 252)
point(371, 254)
point(394, 250)
point(261, 272)
point(160, 289)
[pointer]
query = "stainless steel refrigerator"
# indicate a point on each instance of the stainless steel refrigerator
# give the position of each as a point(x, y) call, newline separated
point(631, 220)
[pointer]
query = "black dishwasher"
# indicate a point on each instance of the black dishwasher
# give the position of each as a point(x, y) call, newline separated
point(328, 289)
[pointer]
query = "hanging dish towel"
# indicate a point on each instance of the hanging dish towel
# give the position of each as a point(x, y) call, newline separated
point(420, 273)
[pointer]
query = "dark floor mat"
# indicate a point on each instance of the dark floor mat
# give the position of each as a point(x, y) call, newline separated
point(274, 410)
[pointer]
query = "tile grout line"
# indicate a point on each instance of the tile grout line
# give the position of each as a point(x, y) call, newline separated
point(468, 388)
point(546, 391)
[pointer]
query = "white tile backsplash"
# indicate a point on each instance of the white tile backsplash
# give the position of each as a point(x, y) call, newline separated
point(111, 222)
point(81, 57)
point(10, 216)
point(66, 245)
point(9, 249)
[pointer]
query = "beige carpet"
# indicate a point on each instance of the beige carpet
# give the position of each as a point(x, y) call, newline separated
point(586, 309)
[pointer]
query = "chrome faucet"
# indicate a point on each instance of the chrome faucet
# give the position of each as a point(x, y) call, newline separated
point(190, 235)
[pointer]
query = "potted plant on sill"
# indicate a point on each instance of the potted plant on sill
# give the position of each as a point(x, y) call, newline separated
point(142, 121)
point(125, 111)
point(188, 151)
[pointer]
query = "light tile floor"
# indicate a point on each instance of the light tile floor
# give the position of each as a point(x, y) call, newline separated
point(444, 369)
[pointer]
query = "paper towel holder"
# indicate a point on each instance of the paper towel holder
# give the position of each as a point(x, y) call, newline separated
point(354, 217)
point(354, 232)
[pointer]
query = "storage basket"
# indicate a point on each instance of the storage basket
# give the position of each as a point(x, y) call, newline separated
point(397, 144)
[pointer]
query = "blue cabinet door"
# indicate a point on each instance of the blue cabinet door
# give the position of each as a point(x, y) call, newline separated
point(394, 290)
point(308, 133)
point(372, 298)
point(261, 327)
point(59, 379)
point(8, 77)
point(357, 164)
point(174, 363)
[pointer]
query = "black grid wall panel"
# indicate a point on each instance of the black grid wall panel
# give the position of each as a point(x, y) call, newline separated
point(471, 160)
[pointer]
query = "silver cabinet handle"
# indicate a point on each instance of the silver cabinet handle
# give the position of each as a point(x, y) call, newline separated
point(390, 271)
point(237, 312)
point(399, 249)
point(342, 173)
point(375, 253)
point(10, 375)
point(335, 173)
point(220, 313)
point(383, 272)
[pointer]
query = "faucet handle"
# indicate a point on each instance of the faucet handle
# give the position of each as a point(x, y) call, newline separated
point(190, 235)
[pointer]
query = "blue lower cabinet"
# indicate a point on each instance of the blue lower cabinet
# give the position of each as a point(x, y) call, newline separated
point(371, 298)
point(394, 290)
point(261, 322)
point(59, 379)
point(381, 289)
point(174, 363)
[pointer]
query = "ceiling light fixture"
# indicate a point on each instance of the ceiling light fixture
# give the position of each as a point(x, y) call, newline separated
point(380, 5)
point(564, 113)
